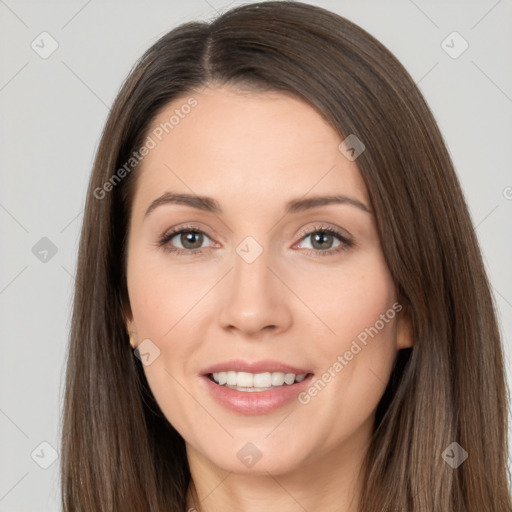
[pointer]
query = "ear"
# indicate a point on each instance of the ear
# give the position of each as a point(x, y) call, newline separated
point(404, 338)
point(128, 318)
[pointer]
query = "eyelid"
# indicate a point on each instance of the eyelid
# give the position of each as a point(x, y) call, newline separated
point(323, 227)
point(172, 232)
point(185, 227)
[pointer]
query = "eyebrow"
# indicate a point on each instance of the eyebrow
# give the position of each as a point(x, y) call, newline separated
point(209, 204)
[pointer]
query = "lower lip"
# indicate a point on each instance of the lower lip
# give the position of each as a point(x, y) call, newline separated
point(255, 402)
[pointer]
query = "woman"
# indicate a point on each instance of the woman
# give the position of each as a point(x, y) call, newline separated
point(275, 226)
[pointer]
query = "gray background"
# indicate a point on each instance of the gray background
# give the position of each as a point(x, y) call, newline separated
point(52, 114)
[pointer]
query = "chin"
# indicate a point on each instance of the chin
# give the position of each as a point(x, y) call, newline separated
point(255, 458)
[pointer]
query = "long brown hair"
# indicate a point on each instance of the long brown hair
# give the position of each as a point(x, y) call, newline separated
point(119, 452)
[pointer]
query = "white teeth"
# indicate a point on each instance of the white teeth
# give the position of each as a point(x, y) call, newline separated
point(244, 380)
point(256, 381)
point(289, 378)
point(277, 379)
point(262, 380)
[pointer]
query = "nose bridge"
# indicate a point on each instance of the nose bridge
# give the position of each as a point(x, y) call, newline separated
point(256, 298)
point(251, 273)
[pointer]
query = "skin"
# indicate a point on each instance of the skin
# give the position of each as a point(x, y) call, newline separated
point(253, 152)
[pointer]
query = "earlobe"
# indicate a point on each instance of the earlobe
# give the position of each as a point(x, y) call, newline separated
point(128, 317)
point(404, 337)
point(131, 328)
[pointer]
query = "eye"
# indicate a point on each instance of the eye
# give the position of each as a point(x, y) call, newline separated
point(189, 240)
point(323, 239)
point(184, 240)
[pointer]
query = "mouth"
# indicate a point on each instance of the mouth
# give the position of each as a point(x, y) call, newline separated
point(255, 388)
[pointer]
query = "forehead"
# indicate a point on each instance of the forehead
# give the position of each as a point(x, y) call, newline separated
point(245, 146)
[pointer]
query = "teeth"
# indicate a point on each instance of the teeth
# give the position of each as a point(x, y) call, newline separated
point(262, 380)
point(289, 378)
point(256, 381)
point(277, 379)
point(244, 380)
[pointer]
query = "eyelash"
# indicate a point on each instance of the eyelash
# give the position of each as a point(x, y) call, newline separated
point(345, 244)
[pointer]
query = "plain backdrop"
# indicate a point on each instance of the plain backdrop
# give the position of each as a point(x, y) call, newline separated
point(53, 109)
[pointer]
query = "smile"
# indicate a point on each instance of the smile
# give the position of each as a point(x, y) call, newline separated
point(250, 382)
point(254, 400)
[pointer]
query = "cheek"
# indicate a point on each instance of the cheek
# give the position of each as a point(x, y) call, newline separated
point(357, 350)
point(168, 308)
point(349, 298)
point(162, 295)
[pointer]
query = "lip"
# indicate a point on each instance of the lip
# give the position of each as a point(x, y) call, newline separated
point(255, 402)
point(267, 365)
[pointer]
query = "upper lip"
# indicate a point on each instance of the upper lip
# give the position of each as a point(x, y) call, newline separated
point(267, 365)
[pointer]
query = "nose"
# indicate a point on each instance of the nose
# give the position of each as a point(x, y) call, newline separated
point(256, 300)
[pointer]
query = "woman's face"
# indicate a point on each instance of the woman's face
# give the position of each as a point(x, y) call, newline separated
point(257, 290)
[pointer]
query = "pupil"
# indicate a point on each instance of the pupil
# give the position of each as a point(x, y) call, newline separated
point(188, 237)
point(321, 237)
